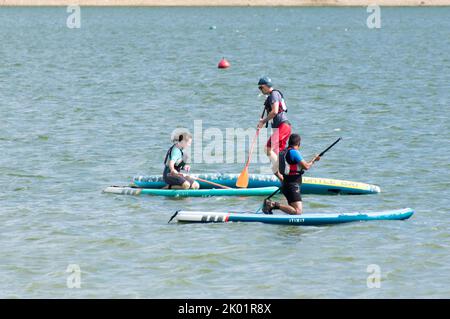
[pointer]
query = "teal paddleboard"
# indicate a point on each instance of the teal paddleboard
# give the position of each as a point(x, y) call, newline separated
point(263, 191)
point(307, 219)
point(310, 185)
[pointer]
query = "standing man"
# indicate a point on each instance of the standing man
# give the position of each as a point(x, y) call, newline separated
point(291, 168)
point(276, 110)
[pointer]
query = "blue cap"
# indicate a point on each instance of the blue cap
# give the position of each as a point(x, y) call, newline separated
point(265, 81)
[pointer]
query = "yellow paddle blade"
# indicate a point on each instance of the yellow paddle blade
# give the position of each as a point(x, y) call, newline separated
point(242, 180)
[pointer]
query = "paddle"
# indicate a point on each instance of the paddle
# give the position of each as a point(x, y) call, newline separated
point(242, 180)
point(320, 155)
point(208, 182)
point(328, 148)
point(204, 181)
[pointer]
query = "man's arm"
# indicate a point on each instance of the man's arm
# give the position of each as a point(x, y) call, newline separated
point(270, 116)
point(307, 165)
point(172, 169)
point(273, 113)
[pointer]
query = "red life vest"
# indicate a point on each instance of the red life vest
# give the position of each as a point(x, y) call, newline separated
point(286, 165)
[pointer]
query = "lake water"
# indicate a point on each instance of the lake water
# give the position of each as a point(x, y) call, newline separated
point(82, 109)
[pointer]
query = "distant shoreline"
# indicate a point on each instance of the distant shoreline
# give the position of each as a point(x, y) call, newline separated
point(227, 3)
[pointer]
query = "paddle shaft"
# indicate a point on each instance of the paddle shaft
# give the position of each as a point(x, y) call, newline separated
point(205, 181)
point(328, 148)
point(274, 193)
point(253, 143)
point(251, 149)
point(209, 182)
point(242, 180)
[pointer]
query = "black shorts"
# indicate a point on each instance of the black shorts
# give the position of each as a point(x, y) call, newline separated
point(292, 192)
point(177, 180)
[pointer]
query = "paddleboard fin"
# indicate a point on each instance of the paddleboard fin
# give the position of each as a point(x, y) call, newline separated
point(173, 216)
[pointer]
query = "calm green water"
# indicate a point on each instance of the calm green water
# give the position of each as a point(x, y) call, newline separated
point(82, 109)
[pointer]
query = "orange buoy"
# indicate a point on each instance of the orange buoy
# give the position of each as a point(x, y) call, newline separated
point(223, 64)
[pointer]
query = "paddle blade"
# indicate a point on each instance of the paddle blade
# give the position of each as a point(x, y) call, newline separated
point(242, 180)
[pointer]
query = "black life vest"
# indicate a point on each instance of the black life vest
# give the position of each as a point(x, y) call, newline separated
point(178, 167)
